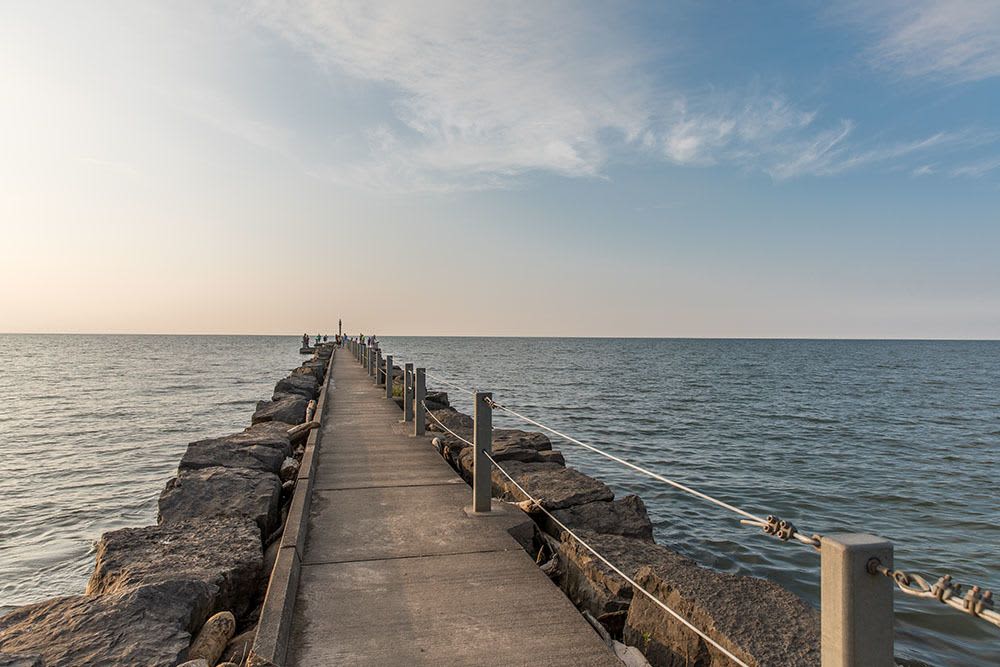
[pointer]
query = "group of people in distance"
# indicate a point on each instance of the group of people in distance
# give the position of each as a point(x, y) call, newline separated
point(337, 339)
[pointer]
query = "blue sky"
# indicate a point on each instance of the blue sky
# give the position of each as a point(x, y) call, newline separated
point(659, 169)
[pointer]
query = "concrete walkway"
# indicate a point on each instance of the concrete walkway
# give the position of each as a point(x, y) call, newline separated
point(395, 572)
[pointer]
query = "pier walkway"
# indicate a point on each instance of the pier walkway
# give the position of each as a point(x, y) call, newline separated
point(396, 572)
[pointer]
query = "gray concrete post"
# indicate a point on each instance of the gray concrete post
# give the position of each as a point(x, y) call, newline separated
point(388, 376)
point(371, 361)
point(408, 392)
point(419, 394)
point(856, 614)
point(379, 365)
point(482, 440)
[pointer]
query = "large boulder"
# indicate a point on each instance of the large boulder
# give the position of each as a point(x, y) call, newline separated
point(302, 385)
point(289, 410)
point(222, 552)
point(316, 369)
point(556, 486)
point(218, 491)
point(235, 451)
point(504, 438)
point(757, 620)
point(592, 585)
point(626, 516)
point(458, 422)
point(149, 626)
point(437, 400)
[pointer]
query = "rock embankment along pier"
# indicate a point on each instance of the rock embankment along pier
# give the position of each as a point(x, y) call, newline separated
point(190, 588)
point(758, 621)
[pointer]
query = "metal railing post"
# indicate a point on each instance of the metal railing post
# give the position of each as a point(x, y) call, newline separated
point(419, 394)
point(856, 616)
point(388, 376)
point(482, 440)
point(408, 392)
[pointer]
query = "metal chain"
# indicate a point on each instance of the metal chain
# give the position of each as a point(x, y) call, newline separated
point(976, 602)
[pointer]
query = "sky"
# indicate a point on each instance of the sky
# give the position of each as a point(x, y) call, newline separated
point(690, 169)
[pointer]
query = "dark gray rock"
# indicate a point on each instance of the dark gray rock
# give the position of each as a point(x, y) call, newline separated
point(233, 492)
point(271, 434)
point(229, 453)
point(223, 553)
point(551, 456)
point(511, 437)
point(149, 626)
point(303, 385)
point(458, 422)
point(556, 486)
point(592, 585)
point(317, 369)
point(20, 660)
point(760, 622)
point(438, 397)
point(290, 410)
point(626, 516)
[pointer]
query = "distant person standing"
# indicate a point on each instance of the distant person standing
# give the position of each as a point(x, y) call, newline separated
point(305, 340)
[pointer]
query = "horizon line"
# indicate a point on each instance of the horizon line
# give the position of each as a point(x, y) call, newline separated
point(291, 335)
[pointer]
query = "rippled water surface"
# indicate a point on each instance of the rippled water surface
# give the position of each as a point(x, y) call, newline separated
point(897, 438)
point(92, 426)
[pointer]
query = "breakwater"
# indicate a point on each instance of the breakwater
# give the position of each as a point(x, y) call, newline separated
point(194, 583)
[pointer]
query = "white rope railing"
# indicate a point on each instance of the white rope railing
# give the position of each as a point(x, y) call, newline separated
point(451, 384)
point(636, 587)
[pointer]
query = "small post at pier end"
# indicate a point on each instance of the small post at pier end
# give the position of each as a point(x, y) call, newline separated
point(856, 616)
point(419, 394)
point(408, 392)
point(388, 376)
point(482, 440)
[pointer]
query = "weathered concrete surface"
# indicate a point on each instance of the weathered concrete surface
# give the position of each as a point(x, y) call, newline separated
point(290, 410)
point(150, 625)
point(222, 491)
point(397, 573)
point(556, 486)
point(224, 553)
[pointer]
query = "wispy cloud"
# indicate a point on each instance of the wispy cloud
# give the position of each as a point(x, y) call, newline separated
point(949, 40)
point(482, 94)
point(976, 169)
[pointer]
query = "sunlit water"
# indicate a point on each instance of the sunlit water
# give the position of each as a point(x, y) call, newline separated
point(92, 426)
point(895, 438)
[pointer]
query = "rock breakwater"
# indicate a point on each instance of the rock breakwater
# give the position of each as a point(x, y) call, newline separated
point(155, 589)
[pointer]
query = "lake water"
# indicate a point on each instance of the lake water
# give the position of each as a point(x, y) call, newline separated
point(898, 438)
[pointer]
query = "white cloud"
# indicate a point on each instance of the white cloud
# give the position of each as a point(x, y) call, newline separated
point(951, 40)
point(482, 93)
point(977, 169)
